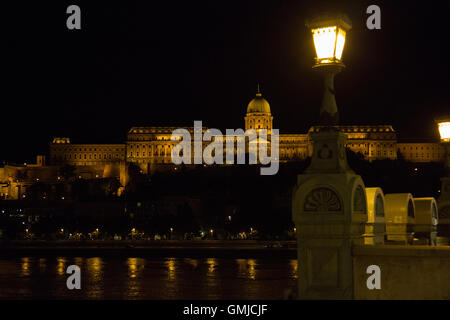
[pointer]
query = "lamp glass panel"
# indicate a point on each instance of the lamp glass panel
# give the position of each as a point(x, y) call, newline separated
point(324, 42)
point(444, 131)
point(340, 43)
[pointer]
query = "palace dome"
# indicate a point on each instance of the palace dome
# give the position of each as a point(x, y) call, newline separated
point(258, 105)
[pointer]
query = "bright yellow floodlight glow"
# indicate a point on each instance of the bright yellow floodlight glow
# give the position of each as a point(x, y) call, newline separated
point(444, 131)
point(324, 41)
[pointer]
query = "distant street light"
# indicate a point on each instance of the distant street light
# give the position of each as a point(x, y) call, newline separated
point(329, 32)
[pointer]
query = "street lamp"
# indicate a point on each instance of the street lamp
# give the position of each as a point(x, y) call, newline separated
point(444, 197)
point(329, 200)
point(444, 132)
point(329, 33)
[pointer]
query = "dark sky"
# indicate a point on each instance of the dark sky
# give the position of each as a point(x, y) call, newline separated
point(173, 62)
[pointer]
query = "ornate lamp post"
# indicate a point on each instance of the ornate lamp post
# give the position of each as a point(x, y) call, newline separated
point(329, 34)
point(329, 204)
point(444, 198)
point(444, 131)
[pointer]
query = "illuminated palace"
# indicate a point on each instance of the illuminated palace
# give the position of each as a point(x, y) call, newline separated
point(150, 149)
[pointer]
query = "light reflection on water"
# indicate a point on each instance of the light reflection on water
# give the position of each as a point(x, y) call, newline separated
point(170, 263)
point(94, 267)
point(25, 267)
point(144, 278)
point(294, 265)
point(212, 285)
point(251, 268)
point(61, 266)
point(135, 270)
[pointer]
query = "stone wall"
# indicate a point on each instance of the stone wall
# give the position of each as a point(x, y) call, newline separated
point(407, 272)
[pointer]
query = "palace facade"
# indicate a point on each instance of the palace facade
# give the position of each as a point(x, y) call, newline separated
point(149, 146)
point(150, 149)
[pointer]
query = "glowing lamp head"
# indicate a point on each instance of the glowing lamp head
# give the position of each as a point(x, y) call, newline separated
point(444, 130)
point(329, 34)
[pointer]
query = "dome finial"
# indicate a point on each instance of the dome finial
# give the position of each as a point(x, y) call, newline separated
point(258, 92)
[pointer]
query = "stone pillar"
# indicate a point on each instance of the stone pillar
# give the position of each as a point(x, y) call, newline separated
point(329, 210)
point(444, 198)
point(443, 228)
point(426, 221)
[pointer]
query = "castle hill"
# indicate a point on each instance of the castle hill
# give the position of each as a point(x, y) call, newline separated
point(74, 189)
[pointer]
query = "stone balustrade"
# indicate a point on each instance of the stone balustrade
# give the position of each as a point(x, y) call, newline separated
point(376, 224)
point(426, 221)
point(400, 217)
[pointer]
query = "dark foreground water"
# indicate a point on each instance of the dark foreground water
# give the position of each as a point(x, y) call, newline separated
point(142, 278)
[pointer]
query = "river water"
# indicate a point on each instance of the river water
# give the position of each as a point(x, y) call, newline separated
point(143, 278)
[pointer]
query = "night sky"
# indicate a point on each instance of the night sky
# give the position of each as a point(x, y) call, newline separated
point(173, 62)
